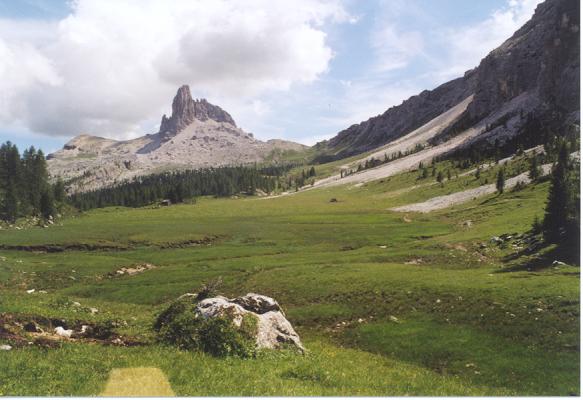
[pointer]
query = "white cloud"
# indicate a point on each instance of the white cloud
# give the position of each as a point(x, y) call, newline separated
point(466, 46)
point(395, 49)
point(111, 66)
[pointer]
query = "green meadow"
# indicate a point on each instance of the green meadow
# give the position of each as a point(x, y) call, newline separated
point(386, 303)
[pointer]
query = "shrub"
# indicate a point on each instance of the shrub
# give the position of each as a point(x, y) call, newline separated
point(220, 337)
point(179, 325)
point(210, 289)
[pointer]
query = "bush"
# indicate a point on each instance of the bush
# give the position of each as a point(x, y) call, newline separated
point(179, 325)
point(210, 289)
point(220, 337)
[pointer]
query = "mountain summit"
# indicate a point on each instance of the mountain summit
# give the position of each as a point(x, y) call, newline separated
point(185, 110)
point(532, 76)
point(198, 134)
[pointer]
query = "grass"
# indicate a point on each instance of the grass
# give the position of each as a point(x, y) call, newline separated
point(457, 297)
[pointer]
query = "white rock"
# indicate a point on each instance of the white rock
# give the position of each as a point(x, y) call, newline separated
point(29, 291)
point(5, 347)
point(273, 329)
point(59, 330)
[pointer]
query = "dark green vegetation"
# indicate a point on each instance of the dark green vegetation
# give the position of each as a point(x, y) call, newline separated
point(386, 303)
point(178, 186)
point(24, 186)
point(563, 212)
point(179, 325)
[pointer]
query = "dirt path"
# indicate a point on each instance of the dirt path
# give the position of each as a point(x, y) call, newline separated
point(137, 382)
point(440, 202)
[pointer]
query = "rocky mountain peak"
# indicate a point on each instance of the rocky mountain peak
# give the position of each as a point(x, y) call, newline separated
point(185, 110)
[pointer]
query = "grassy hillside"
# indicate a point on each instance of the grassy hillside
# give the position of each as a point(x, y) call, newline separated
point(386, 303)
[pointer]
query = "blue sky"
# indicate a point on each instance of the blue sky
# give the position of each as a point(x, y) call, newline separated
point(300, 70)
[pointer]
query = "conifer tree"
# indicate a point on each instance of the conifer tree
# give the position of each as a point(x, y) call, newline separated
point(535, 170)
point(500, 181)
point(562, 212)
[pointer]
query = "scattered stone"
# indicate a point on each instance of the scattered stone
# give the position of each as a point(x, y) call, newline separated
point(415, 261)
point(93, 310)
point(496, 240)
point(467, 224)
point(136, 269)
point(30, 291)
point(59, 330)
point(557, 263)
point(438, 301)
point(187, 295)
point(394, 319)
point(5, 347)
point(382, 247)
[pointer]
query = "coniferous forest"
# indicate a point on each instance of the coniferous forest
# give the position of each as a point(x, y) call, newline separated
point(180, 186)
point(24, 185)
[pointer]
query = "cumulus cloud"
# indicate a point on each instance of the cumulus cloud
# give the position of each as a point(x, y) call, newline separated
point(467, 45)
point(395, 49)
point(110, 67)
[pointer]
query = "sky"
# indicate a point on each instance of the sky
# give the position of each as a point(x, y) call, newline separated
point(299, 70)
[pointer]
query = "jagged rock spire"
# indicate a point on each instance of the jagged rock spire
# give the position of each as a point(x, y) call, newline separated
point(185, 110)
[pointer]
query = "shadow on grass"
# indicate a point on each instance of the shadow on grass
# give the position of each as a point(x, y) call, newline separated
point(566, 253)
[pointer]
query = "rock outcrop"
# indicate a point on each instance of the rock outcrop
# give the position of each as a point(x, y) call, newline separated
point(273, 329)
point(198, 134)
point(402, 119)
point(535, 74)
point(185, 110)
point(542, 57)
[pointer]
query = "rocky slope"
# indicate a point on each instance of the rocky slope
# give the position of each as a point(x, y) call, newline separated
point(534, 74)
point(197, 135)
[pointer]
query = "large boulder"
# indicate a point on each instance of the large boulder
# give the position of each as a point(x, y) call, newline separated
point(273, 329)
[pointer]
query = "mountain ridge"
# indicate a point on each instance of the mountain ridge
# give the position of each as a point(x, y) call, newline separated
point(198, 134)
point(539, 62)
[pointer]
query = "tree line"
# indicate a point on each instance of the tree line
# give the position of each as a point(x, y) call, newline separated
point(182, 185)
point(24, 185)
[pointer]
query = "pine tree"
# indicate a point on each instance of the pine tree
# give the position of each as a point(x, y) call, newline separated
point(440, 177)
point(561, 210)
point(500, 181)
point(535, 170)
point(59, 193)
point(10, 181)
point(47, 206)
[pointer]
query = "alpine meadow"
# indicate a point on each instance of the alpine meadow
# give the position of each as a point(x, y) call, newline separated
point(430, 250)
